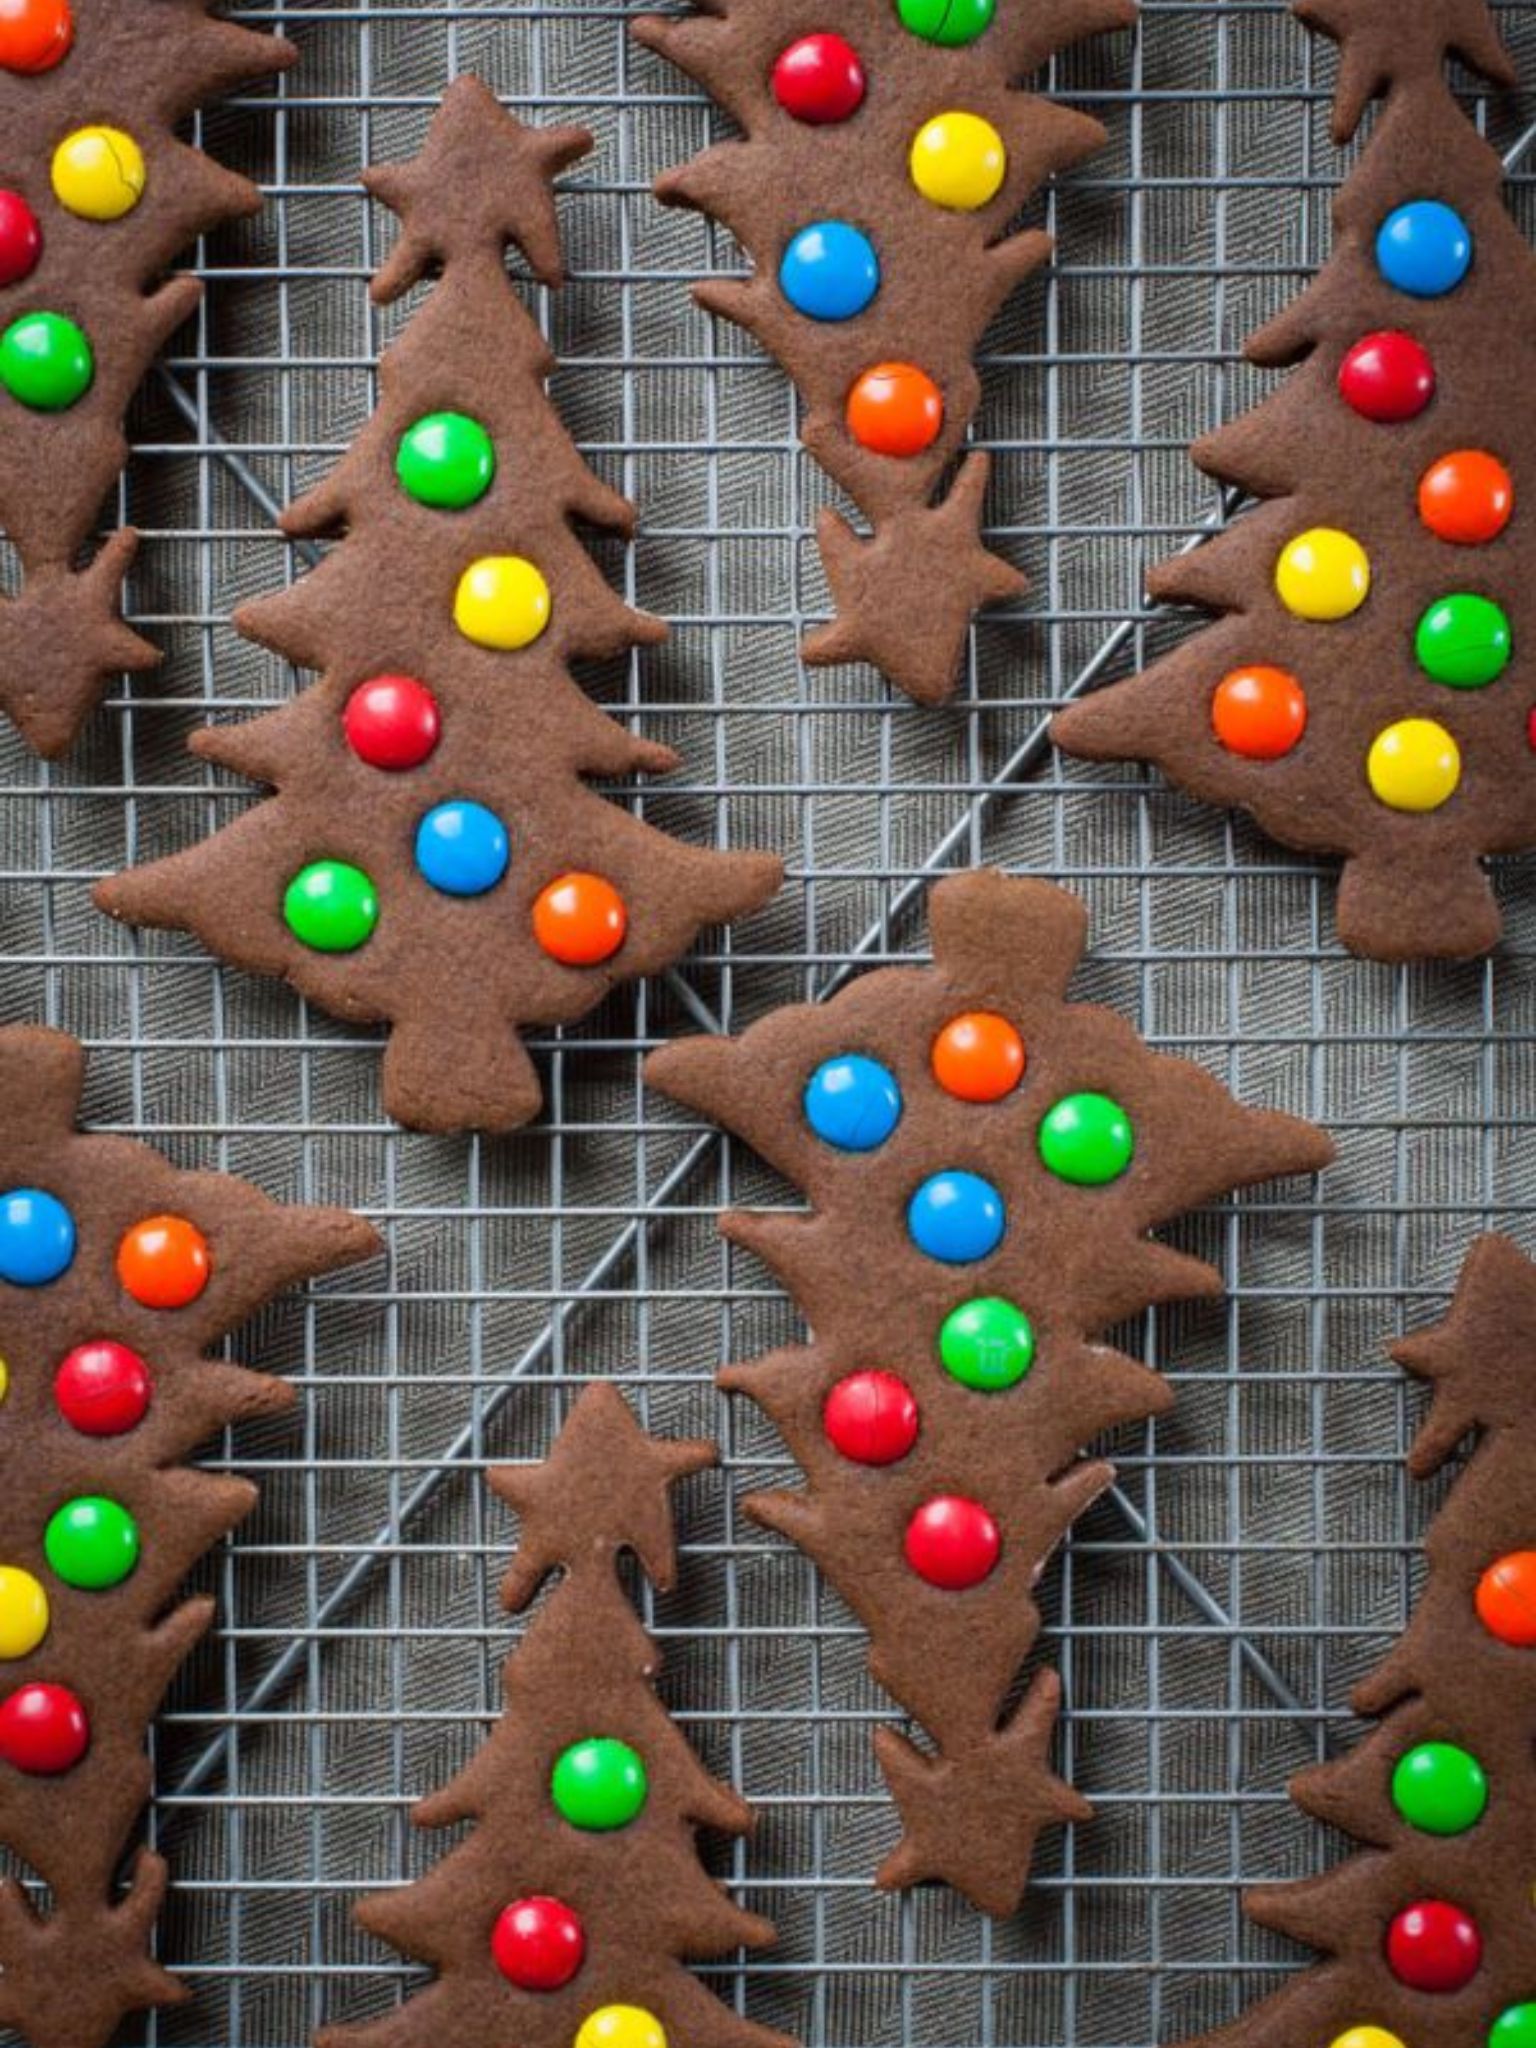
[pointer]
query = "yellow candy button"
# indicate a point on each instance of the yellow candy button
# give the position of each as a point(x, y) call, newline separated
point(1323, 575)
point(23, 1612)
point(621, 2026)
point(99, 173)
point(502, 602)
point(1366, 2037)
point(1414, 765)
point(5, 1379)
point(958, 160)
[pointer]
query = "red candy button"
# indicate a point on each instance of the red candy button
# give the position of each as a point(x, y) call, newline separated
point(871, 1418)
point(895, 409)
point(978, 1057)
point(102, 1389)
point(1467, 498)
point(21, 239)
point(538, 1944)
point(1433, 1946)
point(953, 1543)
point(1506, 1599)
point(34, 34)
point(580, 920)
point(43, 1730)
point(819, 79)
point(392, 722)
point(1387, 377)
point(1259, 712)
point(163, 1262)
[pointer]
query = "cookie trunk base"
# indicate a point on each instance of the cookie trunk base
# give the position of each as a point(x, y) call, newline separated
point(1442, 912)
point(479, 1079)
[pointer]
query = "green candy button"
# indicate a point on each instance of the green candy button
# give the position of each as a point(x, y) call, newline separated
point(46, 361)
point(331, 906)
point(947, 21)
point(92, 1543)
point(1087, 1139)
point(987, 1344)
point(598, 1784)
point(446, 460)
point(1464, 642)
point(1515, 2028)
point(1439, 1788)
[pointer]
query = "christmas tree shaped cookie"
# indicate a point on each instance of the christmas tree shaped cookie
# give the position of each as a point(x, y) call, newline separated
point(886, 150)
point(1427, 1930)
point(563, 1919)
point(433, 856)
point(117, 1274)
point(983, 1162)
point(1368, 688)
point(97, 196)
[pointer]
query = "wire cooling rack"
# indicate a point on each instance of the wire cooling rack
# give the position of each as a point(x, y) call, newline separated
point(1260, 1551)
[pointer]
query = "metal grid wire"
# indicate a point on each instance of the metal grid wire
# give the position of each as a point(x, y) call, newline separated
point(1261, 1548)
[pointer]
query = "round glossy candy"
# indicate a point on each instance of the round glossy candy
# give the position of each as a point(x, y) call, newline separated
point(1367, 2037)
point(895, 409)
point(392, 722)
point(1467, 498)
point(598, 1784)
point(952, 1543)
point(99, 173)
point(5, 1379)
point(978, 1057)
point(43, 1730)
point(830, 271)
point(1464, 641)
point(947, 21)
point(1440, 1788)
point(34, 34)
point(37, 1237)
point(21, 239)
point(1387, 377)
point(1323, 575)
point(1087, 1139)
point(852, 1102)
point(462, 848)
point(503, 602)
point(446, 460)
point(23, 1612)
point(102, 1388)
point(1515, 2027)
point(987, 1344)
point(45, 362)
point(580, 920)
point(957, 1218)
point(1506, 1599)
point(1259, 712)
point(331, 906)
point(1434, 1946)
point(92, 1543)
point(871, 1418)
point(958, 161)
point(621, 2026)
point(1424, 248)
point(538, 1943)
point(1414, 765)
point(164, 1262)
point(819, 79)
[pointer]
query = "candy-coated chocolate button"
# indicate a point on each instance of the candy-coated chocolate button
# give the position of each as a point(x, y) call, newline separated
point(462, 848)
point(43, 1730)
point(580, 920)
point(830, 271)
point(46, 362)
point(37, 1237)
point(1367, 2037)
point(953, 1543)
point(23, 1612)
point(1259, 712)
point(978, 1057)
point(958, 161)
point(1464, 641)
point(1506, 1599)
point(598, 1784)
point(538, 1943)
point(1434, 1946)
point(503, 602)
point(871, 1418)
point(1515, 2027)
point(331, 906)
point(1440, 1788)
point(103, 1388)
point(1467, 498)
point(987, 1344)
point(895, 409)
point(92, 1543)
point(392, 722)
point(957, 1218)
point(1388, 378)
point(1414, 765)
point(819, 79)
point(163, 1262)
point(5, 1379)
point(99, 173)
point(34, 34)
point(1424, 248)
point(621, 2026)
point(947, 21)
point(446, 460)
point(1323, 575)
point(1087, 1139)
point(21, 239)
point(853, 1102)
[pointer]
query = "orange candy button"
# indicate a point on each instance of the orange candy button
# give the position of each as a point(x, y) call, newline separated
point(163, 1262)
point(34, 34)
point(1506, 1599)
point(1467, 498)
point(580, 920)
point(895, 409)
point(978, 1057)
point(1259, 712)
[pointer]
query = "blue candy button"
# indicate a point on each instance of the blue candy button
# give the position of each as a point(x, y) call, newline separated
point(37, 1237)
point(853, 1102)
point(957, 1217)
point(462, 848)
point(830, 271)
point(1424, 248)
